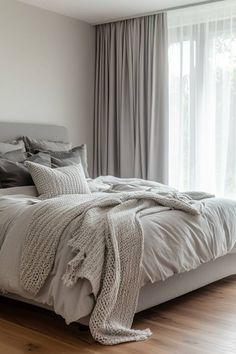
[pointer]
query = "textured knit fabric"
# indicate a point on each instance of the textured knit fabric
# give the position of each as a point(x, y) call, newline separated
point(53, 182)
point(107, 243)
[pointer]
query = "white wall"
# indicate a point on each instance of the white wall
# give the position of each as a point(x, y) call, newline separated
point(46, 69)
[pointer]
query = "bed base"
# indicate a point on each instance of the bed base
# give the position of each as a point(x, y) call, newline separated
point(157, 293)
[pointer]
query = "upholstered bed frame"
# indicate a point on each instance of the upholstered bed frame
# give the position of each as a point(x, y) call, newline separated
point(37, 131)
point(151, 294)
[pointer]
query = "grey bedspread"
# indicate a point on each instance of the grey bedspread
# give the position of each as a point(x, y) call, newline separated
point(174, 242)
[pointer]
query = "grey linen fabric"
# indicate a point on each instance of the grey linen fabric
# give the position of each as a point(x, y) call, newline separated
point(16, 174)
point(15, 155)
point(34, 145)
point(12, 145)
point(71, 157)
point(41, 158)
point(63, 180)
point(131, 99)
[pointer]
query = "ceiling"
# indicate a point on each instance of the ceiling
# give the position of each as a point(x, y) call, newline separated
point(99, 11)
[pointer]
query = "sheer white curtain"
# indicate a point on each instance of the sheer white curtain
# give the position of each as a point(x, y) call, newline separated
point(202, 104)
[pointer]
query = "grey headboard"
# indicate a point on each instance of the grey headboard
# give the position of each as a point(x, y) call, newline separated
point(38, 131)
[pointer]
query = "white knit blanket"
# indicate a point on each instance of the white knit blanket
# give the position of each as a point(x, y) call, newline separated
point(107, 240)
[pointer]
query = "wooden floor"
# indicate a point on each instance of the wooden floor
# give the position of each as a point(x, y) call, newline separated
point(202, 322)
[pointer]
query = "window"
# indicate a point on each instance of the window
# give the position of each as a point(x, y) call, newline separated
point(202, 98)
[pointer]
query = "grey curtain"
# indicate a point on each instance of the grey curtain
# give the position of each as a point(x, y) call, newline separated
point(131, 99)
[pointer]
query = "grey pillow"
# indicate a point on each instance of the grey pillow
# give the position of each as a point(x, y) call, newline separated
point(54, 182)
point(72, 157)
point(15, 156)
point(12, 145)
point(42, 158)
point(34, 145)
point(16, 174)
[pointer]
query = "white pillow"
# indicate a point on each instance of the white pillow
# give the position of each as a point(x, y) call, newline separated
point(52, 182)
point(30, 191)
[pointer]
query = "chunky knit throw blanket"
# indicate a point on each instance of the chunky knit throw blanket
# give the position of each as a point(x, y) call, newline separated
point(107, 242)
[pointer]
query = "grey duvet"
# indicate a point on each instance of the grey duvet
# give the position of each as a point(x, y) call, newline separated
point(174, 242)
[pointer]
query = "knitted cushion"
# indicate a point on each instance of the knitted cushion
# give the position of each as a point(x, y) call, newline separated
point(63, 180)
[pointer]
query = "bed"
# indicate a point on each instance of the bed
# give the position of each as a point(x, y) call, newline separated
point(173, 283)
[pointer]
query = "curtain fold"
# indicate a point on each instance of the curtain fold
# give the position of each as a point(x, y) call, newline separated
point(131, 99)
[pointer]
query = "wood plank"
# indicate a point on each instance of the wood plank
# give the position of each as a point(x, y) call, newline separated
point(202, 322)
